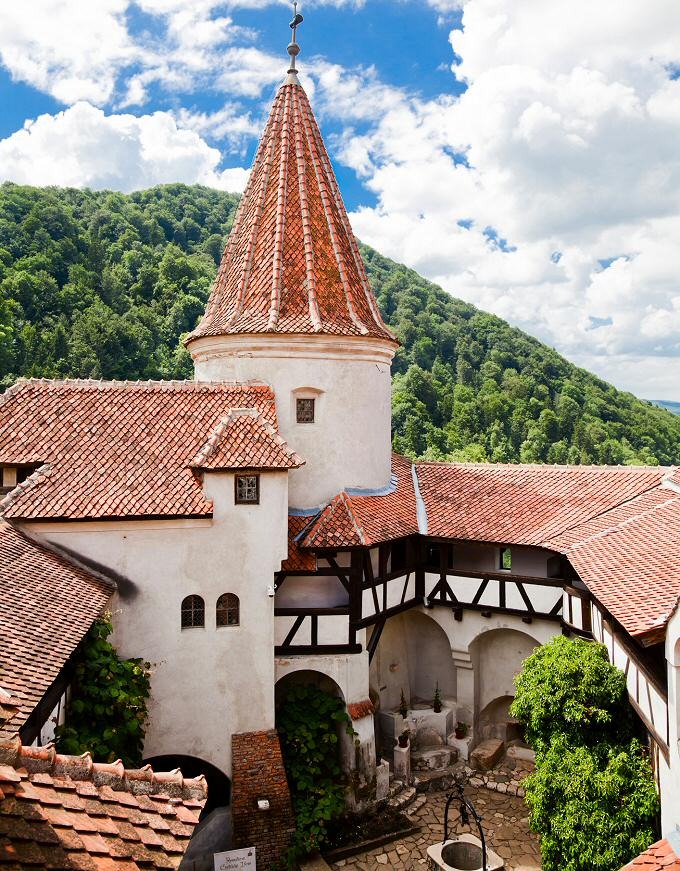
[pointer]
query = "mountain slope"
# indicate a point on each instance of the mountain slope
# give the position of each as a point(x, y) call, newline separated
point(667, 404)
point(100, 284)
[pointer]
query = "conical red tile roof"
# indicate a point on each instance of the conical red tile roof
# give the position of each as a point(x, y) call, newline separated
point(292, 264)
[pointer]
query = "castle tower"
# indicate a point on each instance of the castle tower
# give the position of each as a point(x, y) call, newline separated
point(292, 307)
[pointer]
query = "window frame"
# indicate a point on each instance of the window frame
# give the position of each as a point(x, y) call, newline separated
point(502, 551)
point(233, 604)
point(305, 399)
point(240, 501)
point(194, 609)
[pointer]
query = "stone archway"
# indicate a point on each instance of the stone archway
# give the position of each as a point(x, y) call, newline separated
point(497, 656)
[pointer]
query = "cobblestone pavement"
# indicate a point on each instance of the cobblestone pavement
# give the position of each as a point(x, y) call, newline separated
point(504, 820)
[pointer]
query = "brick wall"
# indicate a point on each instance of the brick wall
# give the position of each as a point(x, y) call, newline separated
point(258, 773)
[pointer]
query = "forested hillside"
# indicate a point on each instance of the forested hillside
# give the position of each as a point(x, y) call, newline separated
point(104, 285)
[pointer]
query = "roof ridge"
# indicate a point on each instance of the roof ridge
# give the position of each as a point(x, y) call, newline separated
point(108, 384)
point(604, 511)
point(617, 527)
point(591, 466)
point(217, 435)
point(139, 781)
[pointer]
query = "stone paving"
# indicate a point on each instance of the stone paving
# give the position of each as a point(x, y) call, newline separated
point(504, 819)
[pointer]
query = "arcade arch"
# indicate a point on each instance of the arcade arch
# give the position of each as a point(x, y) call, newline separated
point(497, 656)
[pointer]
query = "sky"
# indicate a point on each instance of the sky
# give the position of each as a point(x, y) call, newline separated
point(523, 154)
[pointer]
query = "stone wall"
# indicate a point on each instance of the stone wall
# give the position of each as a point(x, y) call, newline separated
point(258, 775)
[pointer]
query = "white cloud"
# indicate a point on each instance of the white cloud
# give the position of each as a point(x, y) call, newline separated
point(569, 129)
point(83, 147)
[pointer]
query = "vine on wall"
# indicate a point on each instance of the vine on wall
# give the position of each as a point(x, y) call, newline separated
point(107, 711)
point(308, 723)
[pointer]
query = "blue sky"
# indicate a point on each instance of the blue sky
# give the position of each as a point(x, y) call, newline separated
point(524, 159)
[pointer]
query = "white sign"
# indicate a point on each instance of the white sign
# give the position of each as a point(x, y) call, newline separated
point(236, 860)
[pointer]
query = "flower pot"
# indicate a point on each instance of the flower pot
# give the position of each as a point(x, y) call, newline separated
point(460, 734)
point(403, 742)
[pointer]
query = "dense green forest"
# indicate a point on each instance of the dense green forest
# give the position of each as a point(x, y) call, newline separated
point(104, 285)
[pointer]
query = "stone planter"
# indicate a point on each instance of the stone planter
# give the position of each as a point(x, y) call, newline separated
point(462, 854)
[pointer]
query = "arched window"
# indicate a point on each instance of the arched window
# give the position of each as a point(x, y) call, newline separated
point(228, 610)
point(193, 612)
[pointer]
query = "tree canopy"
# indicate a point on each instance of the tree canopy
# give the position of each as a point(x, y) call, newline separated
point(105, 285)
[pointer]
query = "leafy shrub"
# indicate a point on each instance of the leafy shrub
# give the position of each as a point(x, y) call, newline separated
point(592, 798)
point(593, 806)
point(107, 713)
point(568, 687)
point(308, 723)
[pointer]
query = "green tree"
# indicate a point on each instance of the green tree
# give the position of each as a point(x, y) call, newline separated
point(568, 687)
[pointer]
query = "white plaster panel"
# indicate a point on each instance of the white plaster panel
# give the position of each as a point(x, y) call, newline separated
point(312, 592)
point(349, 443)
point(200, 676)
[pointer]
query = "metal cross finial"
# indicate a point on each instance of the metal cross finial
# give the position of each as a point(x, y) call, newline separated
point(294, 48)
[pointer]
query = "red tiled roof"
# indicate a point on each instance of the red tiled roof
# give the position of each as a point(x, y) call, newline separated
point(66, 812)
point(351, 521)
point(619, 527)
point(298, 560)
point(659, 857)
point(521, 504)
point(244, 440)
point(292, 264)
point(114, 449)
point(629, 558)
point(47, 604)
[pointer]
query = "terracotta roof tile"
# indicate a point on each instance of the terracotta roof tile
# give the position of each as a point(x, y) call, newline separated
point(114, 449)
point(292, 264)
point(659, 857)
point(522, 504)
point(244, 439)
point(618, 526)
point(358, 520)
point(40, 825)
point(298, 560)
point(47, 604)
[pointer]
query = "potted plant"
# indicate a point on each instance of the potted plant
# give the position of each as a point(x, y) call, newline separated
point(403, 707)
point(437, 701)
point(402, 740)
point(461, 730)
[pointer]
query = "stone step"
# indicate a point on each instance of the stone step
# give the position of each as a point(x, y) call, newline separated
point(396, 787)
point(416, 805)
point(403, 799)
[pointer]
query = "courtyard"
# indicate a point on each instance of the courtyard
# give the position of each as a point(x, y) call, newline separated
point(505, 820)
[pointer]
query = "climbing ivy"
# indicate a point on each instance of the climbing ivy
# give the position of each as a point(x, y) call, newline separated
point(308, 723)
point(592, 797)
point(107, 710)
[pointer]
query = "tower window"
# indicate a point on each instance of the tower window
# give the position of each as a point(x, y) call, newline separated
point(505, 562)
point(228, 608)
point(305, 410)
point(247, 489)
point(193, 612)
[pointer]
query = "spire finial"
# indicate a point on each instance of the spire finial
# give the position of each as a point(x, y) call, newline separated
point(294, 48)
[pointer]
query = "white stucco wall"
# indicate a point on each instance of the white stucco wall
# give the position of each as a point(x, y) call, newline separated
point(669, 774)
point(207, 683)
point(348, 445)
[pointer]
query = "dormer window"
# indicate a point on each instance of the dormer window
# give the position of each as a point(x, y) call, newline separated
point(305, 410)
point(247, 489)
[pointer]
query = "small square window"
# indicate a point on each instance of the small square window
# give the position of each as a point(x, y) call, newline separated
point(247, 489)
point(305, 410)
point(506, 559)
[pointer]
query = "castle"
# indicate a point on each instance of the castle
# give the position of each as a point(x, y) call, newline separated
point(259, 530)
